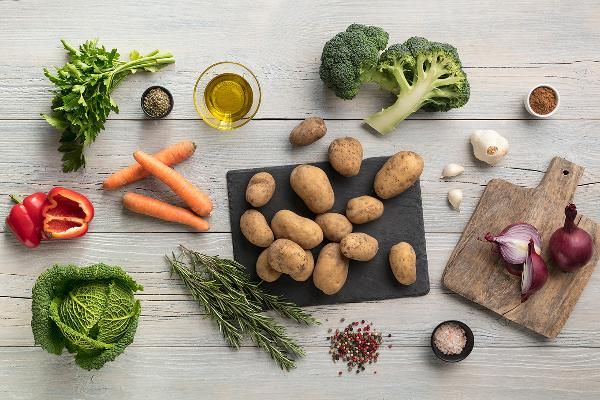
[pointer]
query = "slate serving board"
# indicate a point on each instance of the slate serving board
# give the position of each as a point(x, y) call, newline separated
point(401, 221)
point(476, 272)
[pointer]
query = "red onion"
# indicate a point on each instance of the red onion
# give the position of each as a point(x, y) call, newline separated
point(514, 269)
point(570, 246)
point(535, 273)
point(513, 242)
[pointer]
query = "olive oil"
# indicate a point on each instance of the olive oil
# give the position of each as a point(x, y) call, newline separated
point(228, 97)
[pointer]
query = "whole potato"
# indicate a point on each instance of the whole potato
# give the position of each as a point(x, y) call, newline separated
point(255, 228)
point(308, 131)
point(335, 226)
point(260, 189)
point(312, 185)
point(331, 270)
point(359, 246)
point(264, 270)
point(345, 156)
point(403, 261)
point(308, 268)
point(287, 257)
point(287, 224)
point(363, 209)
point(398, 173)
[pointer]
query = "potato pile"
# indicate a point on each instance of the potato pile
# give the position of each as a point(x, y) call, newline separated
point(289, 238)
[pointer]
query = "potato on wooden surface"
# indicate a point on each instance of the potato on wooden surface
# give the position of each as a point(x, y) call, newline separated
point(398, 173)
point(334, 225)
point(359, 246)
point(255, 228)
point(345, 156)
point(308, 131)
point(363, 209)
point(287, 257)
point(331, 270)
point(260, 189)
point(287, 224)
point(264, 270)
point(308, 268)
point(403, 261)
point(312, 185)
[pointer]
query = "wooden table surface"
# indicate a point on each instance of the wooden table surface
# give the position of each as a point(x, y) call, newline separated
point(506, 48)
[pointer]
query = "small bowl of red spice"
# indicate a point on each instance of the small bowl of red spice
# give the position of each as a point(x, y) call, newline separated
point(542, 101)
point(452, 341)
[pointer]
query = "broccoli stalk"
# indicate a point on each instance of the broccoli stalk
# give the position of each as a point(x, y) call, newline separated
point(421, 73)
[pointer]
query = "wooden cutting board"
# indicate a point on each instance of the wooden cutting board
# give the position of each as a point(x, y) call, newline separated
point(475, 270)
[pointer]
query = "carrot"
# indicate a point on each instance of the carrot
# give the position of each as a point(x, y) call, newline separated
point(197, 200)
point(171, 155)
point(158, 209)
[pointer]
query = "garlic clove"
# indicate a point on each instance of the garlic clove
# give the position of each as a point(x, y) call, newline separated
point(489, 146)
point(451, 170)
point(455, 197)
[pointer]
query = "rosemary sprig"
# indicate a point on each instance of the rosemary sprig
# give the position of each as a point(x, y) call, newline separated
point(236, 304)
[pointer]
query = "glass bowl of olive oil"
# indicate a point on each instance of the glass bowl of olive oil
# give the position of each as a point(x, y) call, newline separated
point(227, 95)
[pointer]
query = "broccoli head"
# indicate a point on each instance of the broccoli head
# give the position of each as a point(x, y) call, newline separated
point(350, 59)
point(429, 76)
point(421, 73)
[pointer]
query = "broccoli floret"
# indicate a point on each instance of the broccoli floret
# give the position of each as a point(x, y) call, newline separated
point(429, 76)
point(422, 74)
point(350, 59)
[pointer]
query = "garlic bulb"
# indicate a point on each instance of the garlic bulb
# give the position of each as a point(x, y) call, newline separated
point(452, 169)
point(489, 146)
point(455, 197)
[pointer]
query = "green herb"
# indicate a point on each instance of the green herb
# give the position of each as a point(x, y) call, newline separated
point(91, 311)
point(82, 100)
point(236, 304)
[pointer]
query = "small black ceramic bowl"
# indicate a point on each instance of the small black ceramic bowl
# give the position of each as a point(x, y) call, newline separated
point(454, 357)
point(170, 101)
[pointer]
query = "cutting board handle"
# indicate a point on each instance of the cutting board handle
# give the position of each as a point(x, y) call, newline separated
point(561, 179)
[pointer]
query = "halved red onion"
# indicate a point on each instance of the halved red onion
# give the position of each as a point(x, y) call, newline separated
point(514, 269)
point(513, 242)
point(535, 273)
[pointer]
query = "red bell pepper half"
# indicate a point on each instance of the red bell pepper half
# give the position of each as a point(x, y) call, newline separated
point(66, 214)
point(25, 219)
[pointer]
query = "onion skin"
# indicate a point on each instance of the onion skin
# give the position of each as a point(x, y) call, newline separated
point(535, 273)
point(570, 246)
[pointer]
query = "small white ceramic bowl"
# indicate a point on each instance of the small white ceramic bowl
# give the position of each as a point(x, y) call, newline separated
point(528, 107)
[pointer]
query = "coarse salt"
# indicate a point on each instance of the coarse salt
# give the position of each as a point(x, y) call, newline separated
point(450, 338)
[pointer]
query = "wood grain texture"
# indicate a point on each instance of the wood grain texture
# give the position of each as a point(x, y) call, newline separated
point(165, 372)
point(476, 272)
point(506, 48)
point(31, 162)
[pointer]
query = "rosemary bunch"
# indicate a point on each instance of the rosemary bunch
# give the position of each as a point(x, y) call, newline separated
point(236, 304)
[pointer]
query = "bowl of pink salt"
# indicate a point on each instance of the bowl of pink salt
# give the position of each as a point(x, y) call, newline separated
point(452, 341)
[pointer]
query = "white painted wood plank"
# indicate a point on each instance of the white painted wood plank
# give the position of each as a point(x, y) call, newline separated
point(209, 373)
point(505, 47)
point(31, 162)
point(525, 43)
point(168, 309)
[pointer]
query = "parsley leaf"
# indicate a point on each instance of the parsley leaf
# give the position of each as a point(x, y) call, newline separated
point(82, 100)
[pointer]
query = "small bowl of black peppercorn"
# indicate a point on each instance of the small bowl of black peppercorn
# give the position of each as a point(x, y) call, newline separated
point(157, 102)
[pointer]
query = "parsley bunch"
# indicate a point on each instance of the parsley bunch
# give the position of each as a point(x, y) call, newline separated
point(82, 100)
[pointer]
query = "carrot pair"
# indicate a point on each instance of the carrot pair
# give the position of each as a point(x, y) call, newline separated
point(158, 166)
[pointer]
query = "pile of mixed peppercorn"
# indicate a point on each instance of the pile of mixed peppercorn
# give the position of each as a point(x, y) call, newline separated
point(356, 346)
